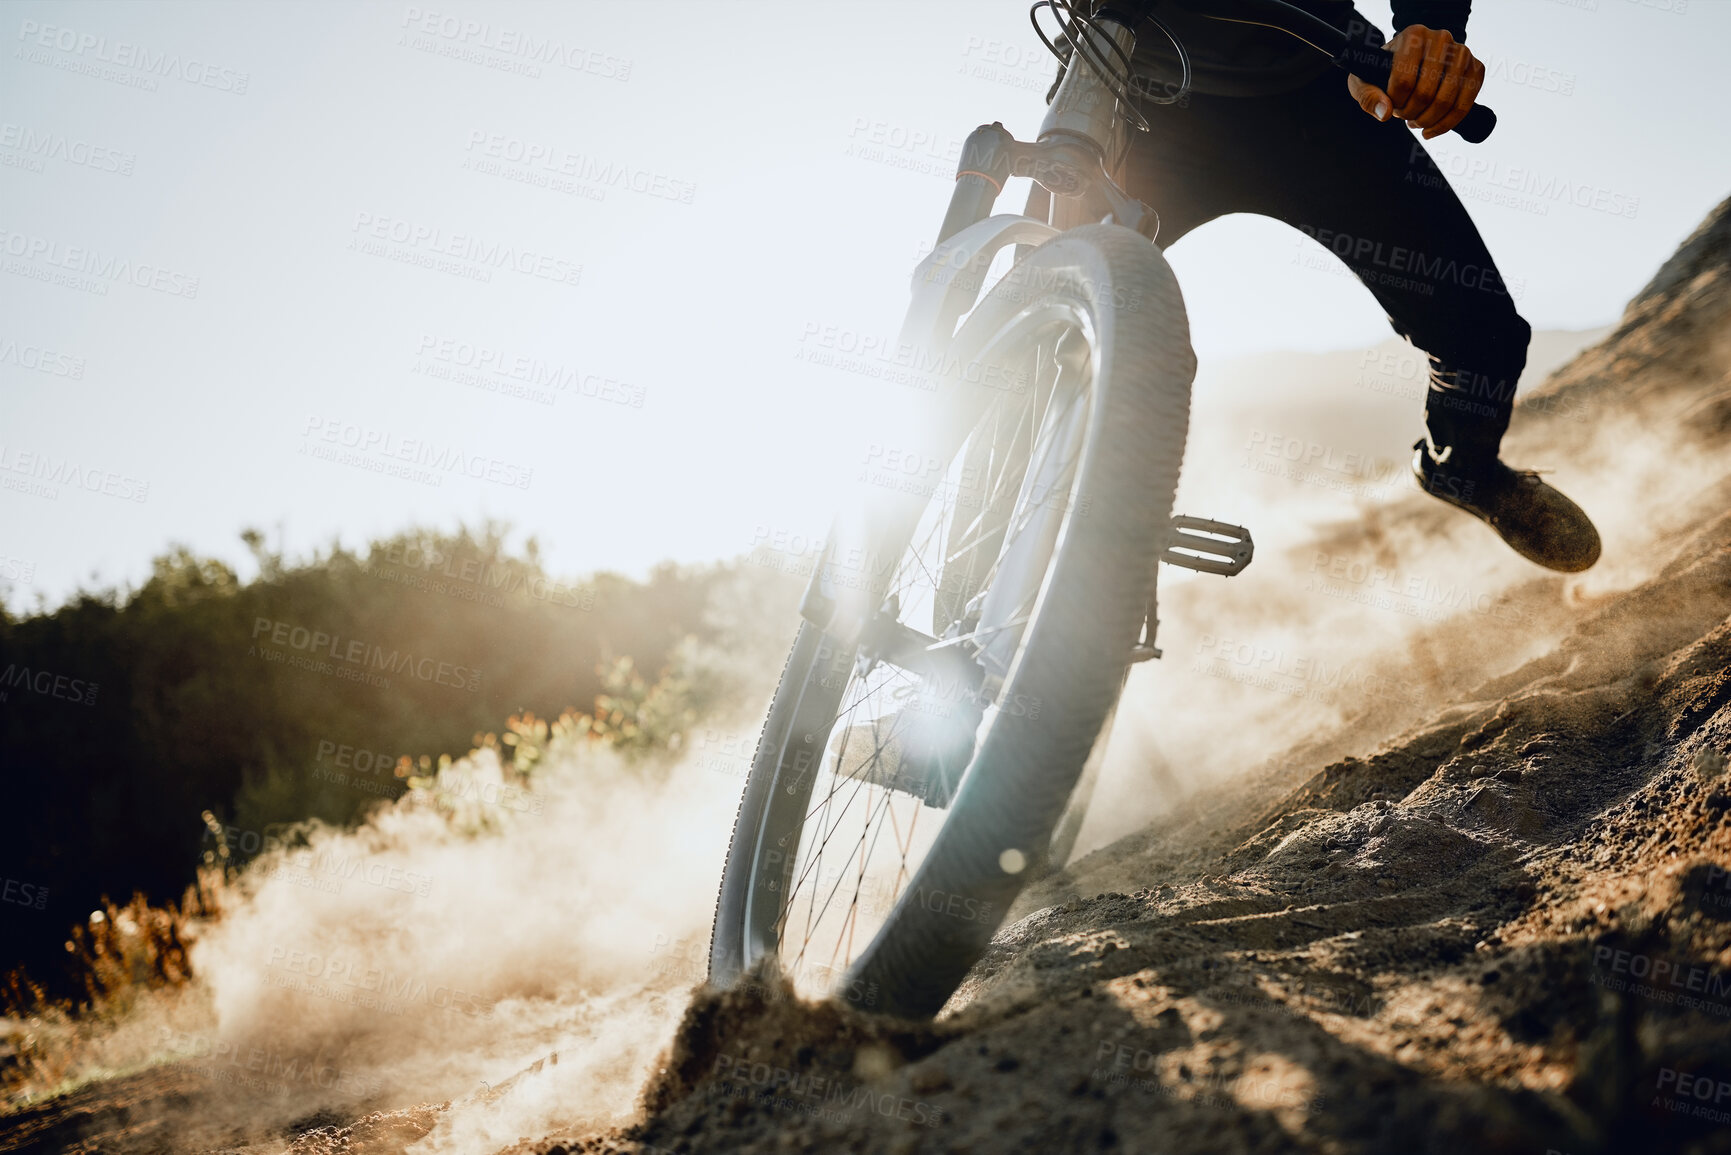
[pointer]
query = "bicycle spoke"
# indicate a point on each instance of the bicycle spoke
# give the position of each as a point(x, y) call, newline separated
point(888, 794)
point(848, 880)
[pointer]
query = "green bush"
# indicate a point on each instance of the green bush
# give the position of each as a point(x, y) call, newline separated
point(200, 692)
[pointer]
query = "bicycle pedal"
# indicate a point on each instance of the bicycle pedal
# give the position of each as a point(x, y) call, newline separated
point(1209, 546)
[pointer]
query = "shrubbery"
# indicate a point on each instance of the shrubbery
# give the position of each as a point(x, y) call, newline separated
point(309, 692)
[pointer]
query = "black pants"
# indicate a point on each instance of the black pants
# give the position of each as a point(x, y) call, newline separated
point(1370, 194)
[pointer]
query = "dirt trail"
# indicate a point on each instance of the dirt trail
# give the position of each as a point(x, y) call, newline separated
point(1506, 927)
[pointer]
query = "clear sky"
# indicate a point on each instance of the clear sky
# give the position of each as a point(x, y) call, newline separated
point(231, 230)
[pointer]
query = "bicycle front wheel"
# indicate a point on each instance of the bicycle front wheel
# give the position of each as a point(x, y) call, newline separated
point(893, 811)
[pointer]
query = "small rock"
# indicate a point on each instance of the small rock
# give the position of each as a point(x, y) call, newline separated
point(1708, 763)
point(929, 1080)
point(872, 1062)
point(1508, 775)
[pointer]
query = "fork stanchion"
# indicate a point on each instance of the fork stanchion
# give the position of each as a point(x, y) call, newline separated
point(980, 177)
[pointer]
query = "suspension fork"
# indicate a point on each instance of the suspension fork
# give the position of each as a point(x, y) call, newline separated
point(1082, 129)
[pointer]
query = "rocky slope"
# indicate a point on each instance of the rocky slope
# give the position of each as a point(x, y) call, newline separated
point(1505, 928)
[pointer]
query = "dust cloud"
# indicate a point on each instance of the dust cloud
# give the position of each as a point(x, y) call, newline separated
point(1369, 604)
point(458, 951)
point(520, 952)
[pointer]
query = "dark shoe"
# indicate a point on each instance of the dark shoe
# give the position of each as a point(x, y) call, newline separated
point(1538, 522)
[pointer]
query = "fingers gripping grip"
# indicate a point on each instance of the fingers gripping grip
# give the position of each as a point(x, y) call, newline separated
point(1373, 65)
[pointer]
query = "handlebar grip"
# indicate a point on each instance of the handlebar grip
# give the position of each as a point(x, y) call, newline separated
point(1477, 124)
point(1372, 65)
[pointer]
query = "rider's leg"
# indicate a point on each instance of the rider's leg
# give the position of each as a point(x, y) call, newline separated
point(1370, 194)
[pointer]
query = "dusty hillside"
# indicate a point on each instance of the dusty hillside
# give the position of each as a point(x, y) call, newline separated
point(1494, 915)
point(1506, 929)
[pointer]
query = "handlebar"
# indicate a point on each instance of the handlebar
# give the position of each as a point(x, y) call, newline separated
point(1373, 66)
point(1350, 54)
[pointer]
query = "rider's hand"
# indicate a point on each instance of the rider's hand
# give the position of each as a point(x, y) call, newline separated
point(1433, 84)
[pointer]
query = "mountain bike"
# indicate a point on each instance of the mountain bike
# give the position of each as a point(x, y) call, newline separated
point(932, 745)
